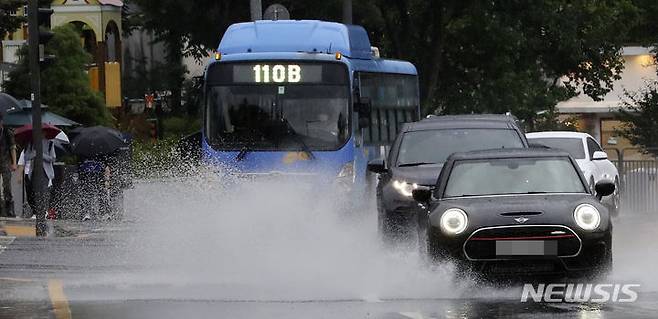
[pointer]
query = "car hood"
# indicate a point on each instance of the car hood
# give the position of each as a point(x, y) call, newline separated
point(503, 210)
point(421, 175)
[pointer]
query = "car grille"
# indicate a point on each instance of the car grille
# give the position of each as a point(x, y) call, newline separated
point(481, 245)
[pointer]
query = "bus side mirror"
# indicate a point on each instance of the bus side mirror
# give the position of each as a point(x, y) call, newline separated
point(363, 106)
point(364, 122)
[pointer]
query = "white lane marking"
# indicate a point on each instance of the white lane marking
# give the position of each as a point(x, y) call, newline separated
point(5, 241)
point(371, 298)
point(412, 315)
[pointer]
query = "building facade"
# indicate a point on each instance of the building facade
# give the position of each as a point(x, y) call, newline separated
point(598, 118)
point(99, 23)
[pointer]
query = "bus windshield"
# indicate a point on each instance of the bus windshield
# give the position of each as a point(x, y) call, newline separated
point(283, 116)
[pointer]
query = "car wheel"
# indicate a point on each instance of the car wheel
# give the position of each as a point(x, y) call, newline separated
point(386, 228)
point(423, 240)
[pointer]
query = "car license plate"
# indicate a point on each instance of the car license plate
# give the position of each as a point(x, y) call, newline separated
point(526, 248)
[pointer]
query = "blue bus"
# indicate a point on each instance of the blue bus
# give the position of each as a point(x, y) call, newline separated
point(303, 98)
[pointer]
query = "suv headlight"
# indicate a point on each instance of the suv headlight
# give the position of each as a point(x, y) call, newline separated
point(404, 188)
point(453, 221)
point(587, 216)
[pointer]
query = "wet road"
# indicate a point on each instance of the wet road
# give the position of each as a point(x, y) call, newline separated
point(132, 270)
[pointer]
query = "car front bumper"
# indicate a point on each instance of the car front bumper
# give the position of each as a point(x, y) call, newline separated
point(479, 251)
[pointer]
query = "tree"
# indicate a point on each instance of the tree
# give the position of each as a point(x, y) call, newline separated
point(9, 23)
point(65, 84)
point(639, 112)
point(498, 56)
point(472, 56)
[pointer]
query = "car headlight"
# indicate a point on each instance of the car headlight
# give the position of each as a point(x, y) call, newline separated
point(587, 216)
point(453, 221)
point(404, 188)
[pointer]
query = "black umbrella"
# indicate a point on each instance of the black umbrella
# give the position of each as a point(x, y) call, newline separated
point(22, 115)
point(98, 141)
point(8, 102)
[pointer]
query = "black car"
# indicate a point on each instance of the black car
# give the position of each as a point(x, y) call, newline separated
point(419, 151)
point(525, 211)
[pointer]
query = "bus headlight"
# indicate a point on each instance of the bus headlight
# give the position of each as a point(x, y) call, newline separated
point(587, 216)
point(346, 173)
point(453, 221)
point(404, 188)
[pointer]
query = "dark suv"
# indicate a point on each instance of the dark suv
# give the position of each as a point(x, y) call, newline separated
point(417, 156)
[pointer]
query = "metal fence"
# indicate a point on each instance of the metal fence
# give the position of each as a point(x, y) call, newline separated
point(639, 183)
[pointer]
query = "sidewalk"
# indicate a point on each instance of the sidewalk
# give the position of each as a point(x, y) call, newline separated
point(21, 227)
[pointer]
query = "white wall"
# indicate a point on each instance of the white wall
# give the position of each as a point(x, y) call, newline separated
point(639, 68)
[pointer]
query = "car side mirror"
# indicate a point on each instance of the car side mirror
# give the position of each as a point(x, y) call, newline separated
point(604, 188)
point(599, 155)
point(377, 166)
point(422, 195)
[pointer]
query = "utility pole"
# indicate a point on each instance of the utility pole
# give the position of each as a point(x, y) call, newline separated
point(347, 11)
point(256, 10)
point(38, 174)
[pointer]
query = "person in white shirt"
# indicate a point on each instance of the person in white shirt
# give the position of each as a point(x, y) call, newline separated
point(25, 163)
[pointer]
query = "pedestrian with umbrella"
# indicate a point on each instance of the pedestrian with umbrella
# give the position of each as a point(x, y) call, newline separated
point(97, 146)
point(24, 136)
point(7, 166)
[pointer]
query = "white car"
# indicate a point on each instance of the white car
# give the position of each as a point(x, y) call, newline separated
point(591, 158)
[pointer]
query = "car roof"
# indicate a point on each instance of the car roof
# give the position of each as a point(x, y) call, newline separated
point(508, 153)
point(490, 117)
point(487, 121)
point(557, 134)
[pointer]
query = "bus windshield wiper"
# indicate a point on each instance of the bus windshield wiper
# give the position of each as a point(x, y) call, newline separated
point(297, 138)
point(243, 153)
point(416, 164)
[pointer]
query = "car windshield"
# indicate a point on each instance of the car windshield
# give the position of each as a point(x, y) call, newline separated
point(434, 146)
point(278, 117)
point(513, 176)
point(573, 146)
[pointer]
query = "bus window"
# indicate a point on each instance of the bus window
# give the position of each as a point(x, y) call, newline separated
point(394, 99)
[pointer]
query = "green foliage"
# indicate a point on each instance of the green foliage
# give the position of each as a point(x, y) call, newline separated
point(472, 56)
point(550, 122)
point(639, 112)
point(200, 23)
point(65, 84)
point(645, 28)
point(9, 23)
point(180, 126)
point(499, 56)
point(158, 160)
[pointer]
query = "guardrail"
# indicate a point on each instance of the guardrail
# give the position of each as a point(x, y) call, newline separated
point(639, 182)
